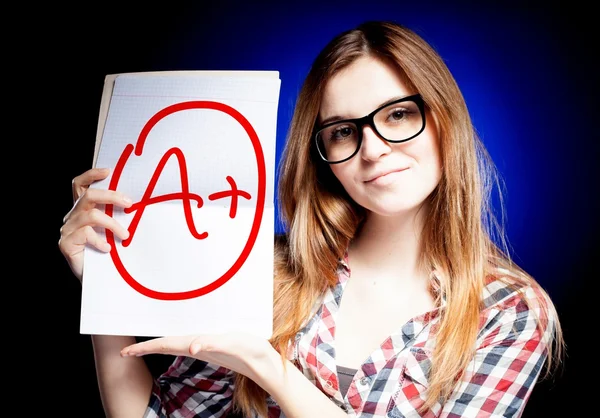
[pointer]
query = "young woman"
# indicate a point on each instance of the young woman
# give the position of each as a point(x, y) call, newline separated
point(394, 295)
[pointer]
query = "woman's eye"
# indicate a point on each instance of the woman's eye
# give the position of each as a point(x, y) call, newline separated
point(397, 114)
point(345, 131)
point(342, 132)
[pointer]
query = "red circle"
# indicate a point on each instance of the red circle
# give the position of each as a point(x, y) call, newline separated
point(257, 216)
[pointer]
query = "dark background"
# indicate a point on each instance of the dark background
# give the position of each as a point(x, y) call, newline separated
point(526, 71)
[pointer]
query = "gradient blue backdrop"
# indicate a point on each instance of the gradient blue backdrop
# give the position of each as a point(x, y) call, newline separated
point(524, 71)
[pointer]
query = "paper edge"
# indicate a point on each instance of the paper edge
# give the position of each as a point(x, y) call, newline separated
point(109, 83)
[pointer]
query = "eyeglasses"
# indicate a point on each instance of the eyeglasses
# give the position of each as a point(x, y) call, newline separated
point(398, 121)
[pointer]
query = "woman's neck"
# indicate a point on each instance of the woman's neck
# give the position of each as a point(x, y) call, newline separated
point(390, 244)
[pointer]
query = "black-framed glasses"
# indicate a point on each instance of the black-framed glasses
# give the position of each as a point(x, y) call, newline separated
point(398, 121)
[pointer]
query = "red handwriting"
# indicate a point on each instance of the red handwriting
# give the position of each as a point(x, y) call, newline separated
point(185, 196)
point(234, 193)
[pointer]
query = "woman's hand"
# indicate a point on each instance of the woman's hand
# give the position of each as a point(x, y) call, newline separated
point(256, 359)
point(78, 225)
point(246, 354)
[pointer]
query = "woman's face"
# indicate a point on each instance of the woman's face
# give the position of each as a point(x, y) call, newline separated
point(385, 178)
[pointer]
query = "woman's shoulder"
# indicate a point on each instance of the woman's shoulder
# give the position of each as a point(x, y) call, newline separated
point(507, 288)
point(517, 298)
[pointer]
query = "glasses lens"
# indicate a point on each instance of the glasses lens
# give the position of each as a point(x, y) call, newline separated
point(396, 122)
point(399, 121)
point(337, 142)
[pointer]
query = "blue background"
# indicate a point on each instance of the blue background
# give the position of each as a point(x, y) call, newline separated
point(526, 73)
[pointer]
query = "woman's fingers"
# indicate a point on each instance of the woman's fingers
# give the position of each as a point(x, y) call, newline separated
point(79, 225)
point(93, 197)
point(179, 346)
point(79, 228)
point(73, 245)
point(176, 346)
point(79, 239)
point(90, 198)
point(81, 183)
point(241, 353)
point(94, 218)
point(79, 232)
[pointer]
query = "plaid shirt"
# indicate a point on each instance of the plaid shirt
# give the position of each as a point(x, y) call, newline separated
point(393, 382)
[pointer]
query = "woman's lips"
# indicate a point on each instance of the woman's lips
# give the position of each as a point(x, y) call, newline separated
point(379, 177)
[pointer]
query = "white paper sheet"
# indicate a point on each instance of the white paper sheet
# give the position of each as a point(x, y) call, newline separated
point(197, 156)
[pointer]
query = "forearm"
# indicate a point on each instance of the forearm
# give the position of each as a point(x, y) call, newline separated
point(295, 394)
point(124, 383)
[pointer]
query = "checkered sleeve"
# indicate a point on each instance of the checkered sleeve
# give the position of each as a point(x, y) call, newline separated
point(512, 349)
point(193, 389)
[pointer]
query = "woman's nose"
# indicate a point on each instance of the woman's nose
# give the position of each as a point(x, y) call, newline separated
point(373, 146)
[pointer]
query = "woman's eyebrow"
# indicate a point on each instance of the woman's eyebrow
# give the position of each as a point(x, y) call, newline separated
point(393, 99)
point(337, 118)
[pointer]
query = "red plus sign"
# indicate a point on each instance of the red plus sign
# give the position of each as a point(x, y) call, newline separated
point(234, 193)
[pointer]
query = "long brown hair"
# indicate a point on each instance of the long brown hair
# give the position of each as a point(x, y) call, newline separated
point(462, 238)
